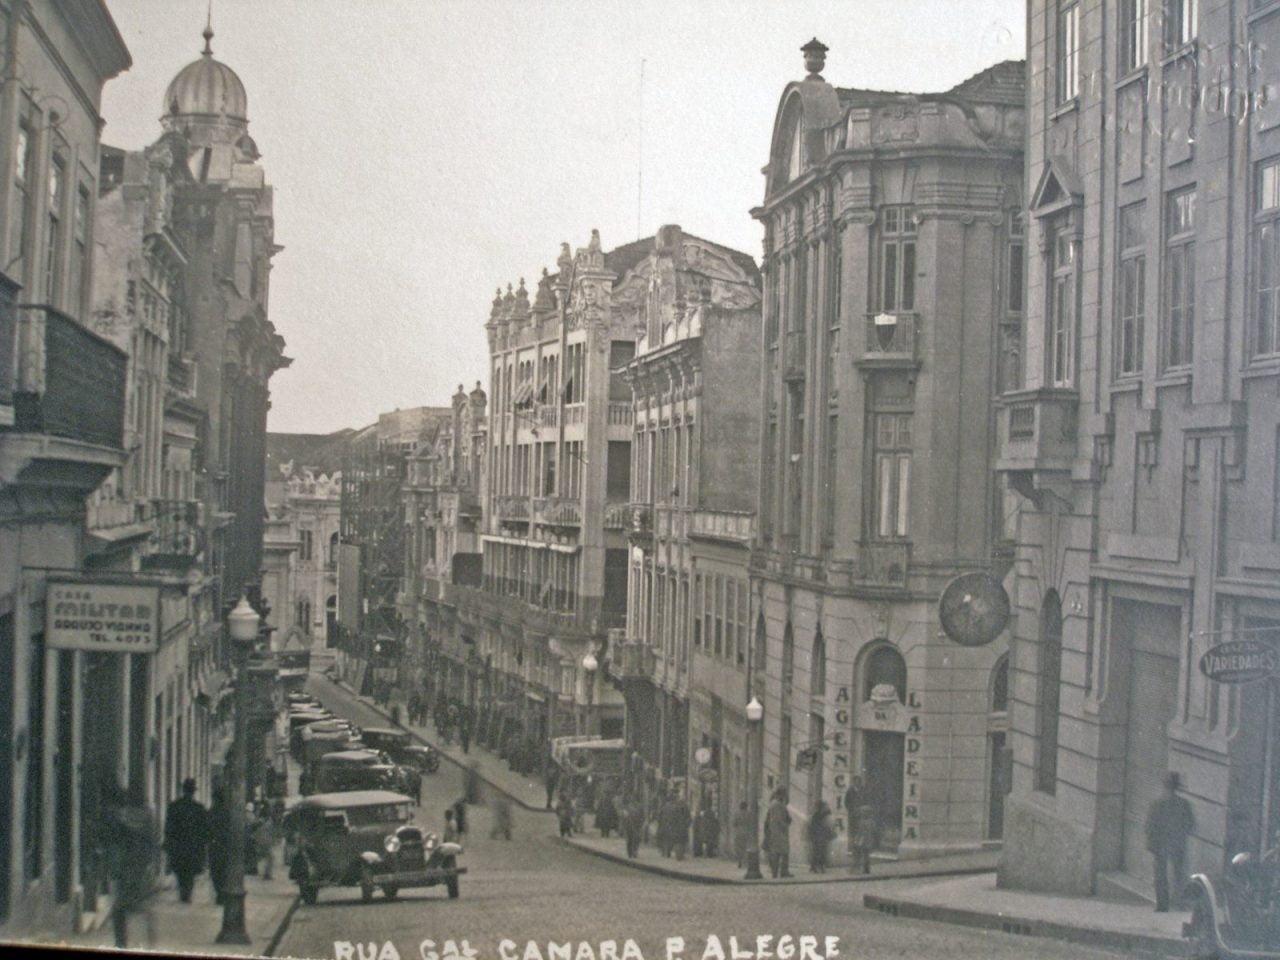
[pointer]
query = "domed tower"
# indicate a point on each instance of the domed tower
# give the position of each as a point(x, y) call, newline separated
point(207, 104)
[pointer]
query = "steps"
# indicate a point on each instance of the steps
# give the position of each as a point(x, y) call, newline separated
point(1121, 887)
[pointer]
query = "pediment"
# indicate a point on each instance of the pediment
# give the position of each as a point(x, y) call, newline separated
point(1058, 187)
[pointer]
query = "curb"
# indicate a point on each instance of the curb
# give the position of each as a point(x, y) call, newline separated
point(274, 943)
point(1030, 927)
point(650, 867)
point(461, 765)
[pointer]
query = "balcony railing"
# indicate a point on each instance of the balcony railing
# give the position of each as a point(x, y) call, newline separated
point(575, 413)
point(891, 339)
point(70, 383)
point(511, 507)
point(632, 660)
point(722, 525)
point(883, 563)
point(177, 535)
point(617, 516)
point(557, 511)
point(671, 522)
point(794, 355)
point(549, 416)
point(621, 415)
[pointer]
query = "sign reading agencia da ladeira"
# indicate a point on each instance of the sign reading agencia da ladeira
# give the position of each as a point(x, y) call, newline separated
point(105, 617)
point(1239, 661)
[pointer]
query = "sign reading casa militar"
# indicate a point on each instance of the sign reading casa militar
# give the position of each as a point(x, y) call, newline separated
point(1238, 661)
point(106, 617)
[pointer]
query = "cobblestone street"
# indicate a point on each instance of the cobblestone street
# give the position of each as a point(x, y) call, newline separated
point(533, 888)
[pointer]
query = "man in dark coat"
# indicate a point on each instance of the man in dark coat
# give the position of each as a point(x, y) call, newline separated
point(820, 833)
point(128, 834)
point(777, 835)
point(186, 838)
point(681, 819)
point(706, 831)
point(633, 825)
point(1169, 822)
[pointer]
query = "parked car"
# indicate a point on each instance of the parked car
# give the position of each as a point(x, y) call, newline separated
point(402, 748)
point(353, 770)
point(365, 839)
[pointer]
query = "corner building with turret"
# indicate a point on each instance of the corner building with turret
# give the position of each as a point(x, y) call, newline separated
point(893, 258)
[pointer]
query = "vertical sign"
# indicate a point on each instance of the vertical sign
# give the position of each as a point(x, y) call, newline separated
point(911, 768)
point(840, 755)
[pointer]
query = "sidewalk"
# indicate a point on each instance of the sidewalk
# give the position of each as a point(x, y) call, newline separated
point(528, 791)
point(725, 871)
point(976, 902)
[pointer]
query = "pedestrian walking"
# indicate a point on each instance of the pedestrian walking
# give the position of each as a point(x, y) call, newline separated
point(606, 814)
point(666, 834)
point(501, 818)
point(450, 828)
point(460, 815)
point(706, 830)
point(552, 780)
point(820, 834)
point(681, 822)
point(564, 813)
point(633, 826)
point(471, 782)
point(395, 714)
point(465, 720)
point(1170, 822)
point(264, 842)
point(128, 840)
point(742, 827)
point(186, 838)
point(413, 783)
point(864, 835)
point(777, 835)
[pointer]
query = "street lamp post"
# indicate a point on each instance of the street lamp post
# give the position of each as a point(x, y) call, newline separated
point(243, 623)
point(755, 727)
point(589, 666)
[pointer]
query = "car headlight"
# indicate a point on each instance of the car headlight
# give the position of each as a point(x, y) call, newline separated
point(429, 843)
point(392, 843)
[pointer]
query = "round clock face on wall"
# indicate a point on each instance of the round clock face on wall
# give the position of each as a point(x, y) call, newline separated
point(974, 608)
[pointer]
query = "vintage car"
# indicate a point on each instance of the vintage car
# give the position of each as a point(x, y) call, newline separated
point(401, 748)
point(365, 838)
point(353, 770)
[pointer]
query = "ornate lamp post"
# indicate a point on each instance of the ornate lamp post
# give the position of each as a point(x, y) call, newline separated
point(755, 728)
point(243, 627)
point(589, 666)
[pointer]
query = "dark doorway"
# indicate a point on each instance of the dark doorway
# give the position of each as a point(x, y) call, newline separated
point(884, 768)
point(6, 758)
point(63, 776)
point(998, 785)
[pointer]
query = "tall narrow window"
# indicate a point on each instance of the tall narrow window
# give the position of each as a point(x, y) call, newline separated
point(830, 481)
point(1180, 277)
point(1015, 260)
point(1068, 51)
point(1133, 34)
point(1049, 693)
point(1180, 21)
point(53, 238)
point(1131, 290)
point(80, 256)
point(1062, 305)
point(898, 259)
point(24, 149)
point(893, 473)
point(1267, 239)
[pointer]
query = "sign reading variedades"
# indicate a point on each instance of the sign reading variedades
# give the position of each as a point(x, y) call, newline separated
point(1238, 661)
point(106, 617)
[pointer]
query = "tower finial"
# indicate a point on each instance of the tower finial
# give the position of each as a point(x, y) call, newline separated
point(208, 30)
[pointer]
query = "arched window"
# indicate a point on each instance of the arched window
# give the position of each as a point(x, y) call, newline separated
point(333, 549)
point(1000, 686)
point(795, 149)
point(304, 613)
point(885, 666)
point(818, 666)
point(1050, 686)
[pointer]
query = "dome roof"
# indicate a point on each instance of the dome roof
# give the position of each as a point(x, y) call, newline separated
point(208, 87)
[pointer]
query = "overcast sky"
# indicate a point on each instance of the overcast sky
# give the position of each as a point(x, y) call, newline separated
point(425, 151)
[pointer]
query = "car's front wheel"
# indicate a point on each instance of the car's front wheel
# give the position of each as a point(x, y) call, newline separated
point(390, 890)
point(309, 893)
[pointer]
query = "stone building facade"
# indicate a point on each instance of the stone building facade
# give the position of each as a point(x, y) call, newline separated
point(893, 256)
point(695, 307)
point(1143, 445)
point(63, 398)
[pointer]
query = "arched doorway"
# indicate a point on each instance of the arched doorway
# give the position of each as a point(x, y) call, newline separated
point(882, 720)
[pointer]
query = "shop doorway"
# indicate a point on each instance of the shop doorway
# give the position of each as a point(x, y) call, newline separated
point(1149, 632)
point(883, 752)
